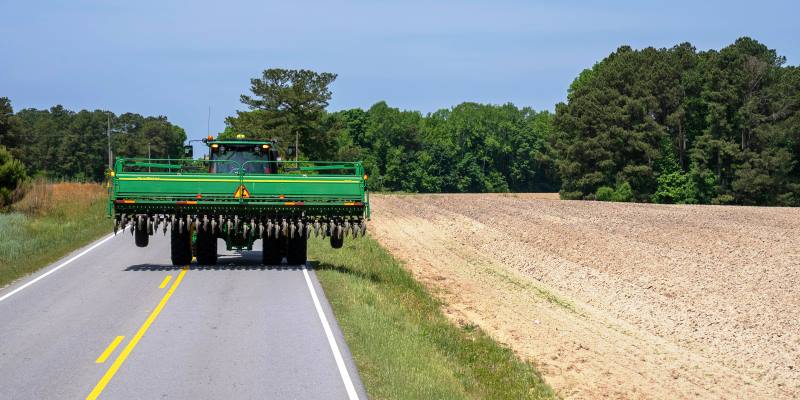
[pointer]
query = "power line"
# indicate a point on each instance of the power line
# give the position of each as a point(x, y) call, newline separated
point(110, 157)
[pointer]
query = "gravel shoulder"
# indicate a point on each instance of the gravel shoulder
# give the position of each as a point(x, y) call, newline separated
point(615, 300)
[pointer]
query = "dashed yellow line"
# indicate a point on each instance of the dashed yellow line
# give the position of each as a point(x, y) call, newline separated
point(135, 340)
point(110, 349)
point(165, 282)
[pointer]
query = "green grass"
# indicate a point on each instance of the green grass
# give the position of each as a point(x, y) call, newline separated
point(29, 242)
point(403, 345)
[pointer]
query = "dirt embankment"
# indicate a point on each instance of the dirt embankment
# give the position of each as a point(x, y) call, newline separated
point(615, 300)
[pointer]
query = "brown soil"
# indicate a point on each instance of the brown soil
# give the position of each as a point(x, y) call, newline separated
point(615, 300)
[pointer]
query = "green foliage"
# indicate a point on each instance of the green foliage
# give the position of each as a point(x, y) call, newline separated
point(675, 188)
point(565, 195)
point(286, 104)
point(9, 124)
point(622, 193)
point(469, 148)
point(12, 176)
point(581, 81)
point(604, 193)
point(62, 144)
point(683, 126)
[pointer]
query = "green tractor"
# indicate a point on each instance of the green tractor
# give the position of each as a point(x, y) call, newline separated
point(240, 193)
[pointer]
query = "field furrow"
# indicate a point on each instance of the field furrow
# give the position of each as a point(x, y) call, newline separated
point(615, 300)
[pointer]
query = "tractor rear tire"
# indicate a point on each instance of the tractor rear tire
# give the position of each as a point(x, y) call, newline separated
point(298, 250)
point(181, 246)
point(206, 247)
point(272, 251)
point(140, 234)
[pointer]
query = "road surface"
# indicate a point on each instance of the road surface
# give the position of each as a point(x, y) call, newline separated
point(120, 322)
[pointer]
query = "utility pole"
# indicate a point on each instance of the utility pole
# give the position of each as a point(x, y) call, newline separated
point(296, 144)
point(108, 133)
point(148, 156)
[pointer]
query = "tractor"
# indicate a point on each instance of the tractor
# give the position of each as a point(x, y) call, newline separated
point(242, 192)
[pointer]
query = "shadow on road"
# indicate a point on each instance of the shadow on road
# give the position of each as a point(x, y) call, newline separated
point(244, 261)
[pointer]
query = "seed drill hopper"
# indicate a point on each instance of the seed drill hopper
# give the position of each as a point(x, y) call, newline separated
point(241, 193)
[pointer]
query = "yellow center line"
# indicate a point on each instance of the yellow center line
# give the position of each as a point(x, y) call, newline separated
point(135, 340)
point(110, 349)
point(165, 282)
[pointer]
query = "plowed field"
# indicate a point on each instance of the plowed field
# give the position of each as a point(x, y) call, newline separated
point(615, 300)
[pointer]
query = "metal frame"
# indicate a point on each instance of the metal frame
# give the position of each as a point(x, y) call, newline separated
point(181, 186)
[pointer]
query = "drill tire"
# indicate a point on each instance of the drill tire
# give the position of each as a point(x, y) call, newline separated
point(206, 247)
point(181, 246)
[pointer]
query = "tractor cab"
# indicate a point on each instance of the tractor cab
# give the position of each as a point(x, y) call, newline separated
point(250, 155)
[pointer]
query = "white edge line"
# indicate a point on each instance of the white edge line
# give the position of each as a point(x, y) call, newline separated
point(44, 275)
point(337, 354)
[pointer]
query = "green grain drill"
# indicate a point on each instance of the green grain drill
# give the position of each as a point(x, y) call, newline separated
point(241, 193)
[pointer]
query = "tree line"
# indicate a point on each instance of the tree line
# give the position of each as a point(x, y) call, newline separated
point(668, 125)
point(468, 148)
point(61, 144)
point(677, 125)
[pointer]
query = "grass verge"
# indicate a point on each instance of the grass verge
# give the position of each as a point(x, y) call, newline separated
point(51, 221)
point(403, 345)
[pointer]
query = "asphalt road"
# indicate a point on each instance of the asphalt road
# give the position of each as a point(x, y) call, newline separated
point(120, 322)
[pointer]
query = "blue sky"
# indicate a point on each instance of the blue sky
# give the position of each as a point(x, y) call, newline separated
point(178, 58)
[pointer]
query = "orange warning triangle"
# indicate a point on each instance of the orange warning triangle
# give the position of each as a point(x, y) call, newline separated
point(242, 192)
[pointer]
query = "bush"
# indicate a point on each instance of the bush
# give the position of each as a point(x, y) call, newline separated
point(567, 195)
point(604, 193)
point(723, 199)
point(676, 188)
point(623, 193)
point(706, 183)
point(12, 178)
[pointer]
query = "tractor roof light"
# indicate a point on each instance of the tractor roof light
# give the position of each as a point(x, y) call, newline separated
point(265, 146)
point(240, 136)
